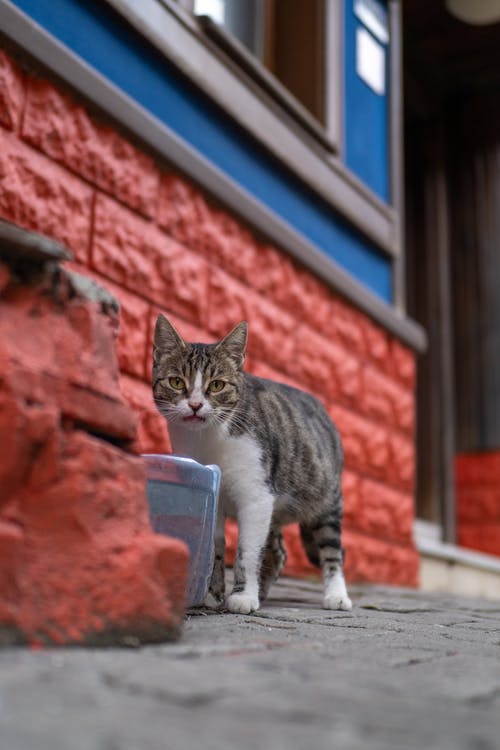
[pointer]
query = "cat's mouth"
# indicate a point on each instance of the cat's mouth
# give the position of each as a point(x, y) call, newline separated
point(193, 418)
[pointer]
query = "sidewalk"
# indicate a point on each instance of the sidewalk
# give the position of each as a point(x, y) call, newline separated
point(402, 670)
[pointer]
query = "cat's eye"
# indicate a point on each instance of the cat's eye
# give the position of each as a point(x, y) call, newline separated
point(176, 383)
point(216, 386)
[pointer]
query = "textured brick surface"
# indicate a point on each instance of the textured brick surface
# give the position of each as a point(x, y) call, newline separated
point(386, 401)
point(11, 92)
point(40, 195)
point(478, 500)
point(152, 433)
point(65, 131)
point(327, 368)
point(134, 253)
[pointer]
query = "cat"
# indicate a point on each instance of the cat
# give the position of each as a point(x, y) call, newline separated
point(280, 456)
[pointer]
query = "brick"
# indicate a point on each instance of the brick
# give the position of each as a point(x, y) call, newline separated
point(297, 290)
point(40, 195)
point(228, 303)
point(484, 537)
point(152, 432)
point(385, 513)
point(478, 503)
point(403, 364)
point(327, 368)
point(222, 239)
point(132, 327)
point(182, 209)
point(271, 332)
point(263, 370)
point(401, 463)
point(97, 568)
point(135, 254)
point(377, 344)
point(356, 433)
point(481, 468)
point(82, 352)
point(370, 560)
point(11, 92)
point(385, 400)
point(64, 130)
point(351, 486)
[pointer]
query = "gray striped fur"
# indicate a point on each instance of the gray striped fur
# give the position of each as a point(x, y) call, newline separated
point(280, 454)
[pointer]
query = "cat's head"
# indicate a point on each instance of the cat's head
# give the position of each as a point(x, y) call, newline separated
point(197, 384)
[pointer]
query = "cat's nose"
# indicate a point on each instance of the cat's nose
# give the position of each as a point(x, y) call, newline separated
point(194, 407)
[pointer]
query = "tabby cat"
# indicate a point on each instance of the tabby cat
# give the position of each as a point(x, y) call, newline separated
point(279, 453)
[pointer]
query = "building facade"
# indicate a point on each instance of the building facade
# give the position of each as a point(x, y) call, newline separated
point(193, 166)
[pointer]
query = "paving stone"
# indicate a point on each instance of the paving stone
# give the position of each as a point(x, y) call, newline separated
point(403, 670)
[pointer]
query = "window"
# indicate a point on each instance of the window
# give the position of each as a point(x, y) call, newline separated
point(293, 40)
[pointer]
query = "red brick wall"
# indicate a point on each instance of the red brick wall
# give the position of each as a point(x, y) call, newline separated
point(478, 500)
point(158, 243)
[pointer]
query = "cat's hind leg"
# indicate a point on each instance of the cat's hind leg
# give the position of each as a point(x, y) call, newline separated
point(322, 542)
point(272, 562)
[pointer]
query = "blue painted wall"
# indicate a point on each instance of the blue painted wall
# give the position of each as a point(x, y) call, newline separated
point(366, 136)
point(96, 33)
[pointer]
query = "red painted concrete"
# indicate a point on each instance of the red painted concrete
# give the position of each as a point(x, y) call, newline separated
point(478, 500)
point(69, 174)
point(78, 560)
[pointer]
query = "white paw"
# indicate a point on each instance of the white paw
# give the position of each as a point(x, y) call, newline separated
point(243, 604)
point(337, 602)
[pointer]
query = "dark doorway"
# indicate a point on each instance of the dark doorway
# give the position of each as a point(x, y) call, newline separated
point(452, 164)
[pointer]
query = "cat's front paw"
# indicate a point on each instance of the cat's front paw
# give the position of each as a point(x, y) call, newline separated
point(334, 601)
point(242, 604)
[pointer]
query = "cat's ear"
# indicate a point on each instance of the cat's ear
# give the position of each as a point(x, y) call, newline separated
point(234, 344)
point(166, 339)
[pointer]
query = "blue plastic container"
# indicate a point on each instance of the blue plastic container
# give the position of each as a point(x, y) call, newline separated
point(182, 498)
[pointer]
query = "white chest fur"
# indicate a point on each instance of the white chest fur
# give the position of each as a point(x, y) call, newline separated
point(239, 459)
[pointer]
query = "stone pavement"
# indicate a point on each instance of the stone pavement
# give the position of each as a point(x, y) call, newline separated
point(403, 670)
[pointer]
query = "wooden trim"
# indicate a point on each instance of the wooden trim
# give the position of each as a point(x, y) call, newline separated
point(256, 111)
point(334, 55)
point(396, 148)
point(251, 65)
point(42, 46)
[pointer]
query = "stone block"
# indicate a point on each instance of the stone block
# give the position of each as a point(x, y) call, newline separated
point(377, 344)
point(38, 194)
point(327, 368)
point(386, 401)
point(64, 130)
point(12, 92)
point(401, 463)
point(403, 364)
point(478, 468)
point(478, 503)
point(182, 209)
point(152, 432)
point(137, 255)
point(484, 537)
point(385, 513)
